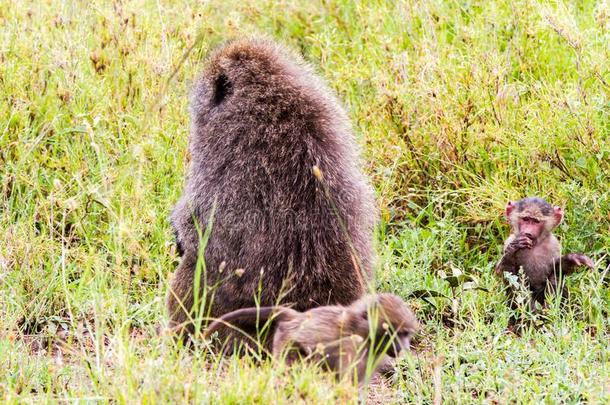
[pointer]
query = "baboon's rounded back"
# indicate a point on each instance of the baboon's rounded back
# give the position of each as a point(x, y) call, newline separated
point(261, 120)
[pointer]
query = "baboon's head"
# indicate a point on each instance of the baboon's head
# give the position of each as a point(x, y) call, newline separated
point(533, 217)
point(387, 321)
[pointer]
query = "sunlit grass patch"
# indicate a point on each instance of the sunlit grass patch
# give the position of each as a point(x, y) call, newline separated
point(458, 106)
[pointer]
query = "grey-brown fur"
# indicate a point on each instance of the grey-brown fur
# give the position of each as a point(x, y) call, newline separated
point(261, 119)
point(340, 337)
point(533, 247)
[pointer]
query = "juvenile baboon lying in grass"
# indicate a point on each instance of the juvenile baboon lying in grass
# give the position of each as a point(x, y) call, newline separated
point(344, 339)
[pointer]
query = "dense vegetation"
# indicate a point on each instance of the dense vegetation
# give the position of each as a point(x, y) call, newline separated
point(459, 106)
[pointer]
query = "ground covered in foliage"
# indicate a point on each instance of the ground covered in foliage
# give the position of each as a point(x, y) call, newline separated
point(459, 106)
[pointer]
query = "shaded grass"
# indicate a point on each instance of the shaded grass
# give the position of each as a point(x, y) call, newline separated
point(459, 106)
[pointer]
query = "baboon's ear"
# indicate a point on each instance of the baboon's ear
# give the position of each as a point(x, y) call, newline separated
point(510, 206)
point(558, 215)
point(222, 88)
point(362, 321)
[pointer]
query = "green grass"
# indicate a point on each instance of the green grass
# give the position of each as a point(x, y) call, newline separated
point(459, 106)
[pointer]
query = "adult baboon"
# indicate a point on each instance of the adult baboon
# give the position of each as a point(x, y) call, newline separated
point(274, 157)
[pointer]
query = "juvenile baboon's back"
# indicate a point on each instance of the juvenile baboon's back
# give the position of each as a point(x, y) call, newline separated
point(261, 120)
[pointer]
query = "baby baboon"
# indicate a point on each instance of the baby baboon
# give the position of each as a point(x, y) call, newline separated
point(339, 337)
point(533, 247)
point(274, 157)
